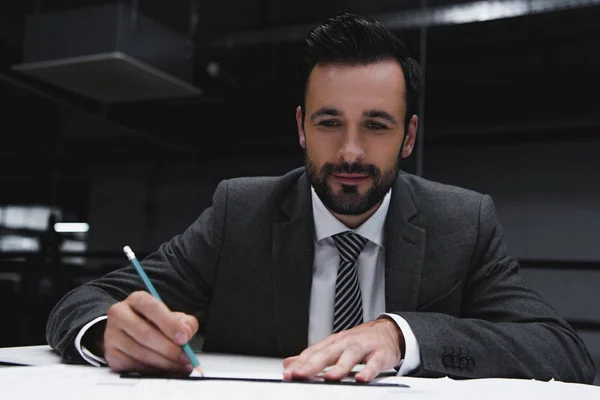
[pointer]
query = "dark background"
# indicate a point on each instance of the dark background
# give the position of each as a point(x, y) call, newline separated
point(511, 109)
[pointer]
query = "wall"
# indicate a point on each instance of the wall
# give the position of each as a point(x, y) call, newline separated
point(146, 204)
point(547, 197)
point(547, 194)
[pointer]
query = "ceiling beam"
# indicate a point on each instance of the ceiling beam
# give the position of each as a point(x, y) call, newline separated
point(477, 11)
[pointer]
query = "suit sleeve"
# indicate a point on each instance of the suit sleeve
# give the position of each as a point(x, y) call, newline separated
point(182, 271)
point(505, 329)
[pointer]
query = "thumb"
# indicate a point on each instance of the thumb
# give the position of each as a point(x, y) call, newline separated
point(188, 321)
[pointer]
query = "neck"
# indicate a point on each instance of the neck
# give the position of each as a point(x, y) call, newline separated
point(354, 221)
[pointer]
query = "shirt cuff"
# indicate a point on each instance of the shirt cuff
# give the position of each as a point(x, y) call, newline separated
point(83, 351)
point(412, 354)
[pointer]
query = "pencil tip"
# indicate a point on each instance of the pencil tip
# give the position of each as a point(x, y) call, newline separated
point(197, 372)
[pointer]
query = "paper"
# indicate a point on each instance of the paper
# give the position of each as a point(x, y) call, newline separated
point(218, 365)
point(215, 364)
point(72, 382)
point(29, 355)
point(66, 382)
point(249, 368)
point(77, 382)
point(262, 391)
point(262, 379)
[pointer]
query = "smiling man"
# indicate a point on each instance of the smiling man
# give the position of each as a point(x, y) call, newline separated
point(352, 141)
point(348, 260)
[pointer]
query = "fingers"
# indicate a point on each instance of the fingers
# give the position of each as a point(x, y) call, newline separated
point(375, 343)
point(313, 360)
point(374, 366)
point(122, 362)
point(189, 320)
point(349, 358)
point(314, 349)
point(289, 361)
point(143, 332)
point(123, 353)
point(134, 340)
point(158, 313)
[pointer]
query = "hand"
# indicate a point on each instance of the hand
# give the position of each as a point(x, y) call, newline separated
point(143, 335)
point(379, 344)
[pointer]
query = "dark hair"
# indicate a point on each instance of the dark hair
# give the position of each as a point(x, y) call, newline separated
point(351, 39)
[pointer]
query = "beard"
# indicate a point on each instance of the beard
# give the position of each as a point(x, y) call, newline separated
point(349, 201)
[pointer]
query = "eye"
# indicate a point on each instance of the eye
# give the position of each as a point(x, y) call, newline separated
point(329, 123)
point(376, 126)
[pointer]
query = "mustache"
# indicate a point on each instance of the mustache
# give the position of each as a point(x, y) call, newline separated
point(330, 168)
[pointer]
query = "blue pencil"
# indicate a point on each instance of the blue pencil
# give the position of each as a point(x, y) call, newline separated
point(138, 267)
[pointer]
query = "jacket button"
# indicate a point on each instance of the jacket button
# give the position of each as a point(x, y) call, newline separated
point(470, 362)
point(447, 356)
point(455, 361)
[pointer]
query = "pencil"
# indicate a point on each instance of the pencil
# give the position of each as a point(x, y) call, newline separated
point(138, 267)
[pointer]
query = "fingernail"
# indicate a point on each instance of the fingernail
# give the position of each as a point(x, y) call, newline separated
point(361, 377)
point(188, 368)
point(183, 359)
point(287, 374)
point(180, 338)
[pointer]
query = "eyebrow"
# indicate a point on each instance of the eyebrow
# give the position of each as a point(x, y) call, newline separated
point(326, 111)
point(380, 114)
point(334, 112)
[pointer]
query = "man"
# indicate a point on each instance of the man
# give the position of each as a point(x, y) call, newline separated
point(342, 262)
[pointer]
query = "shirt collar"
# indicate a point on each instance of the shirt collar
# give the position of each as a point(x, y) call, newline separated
point(327, 225)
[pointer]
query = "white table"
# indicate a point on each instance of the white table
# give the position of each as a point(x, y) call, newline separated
point(45, 376)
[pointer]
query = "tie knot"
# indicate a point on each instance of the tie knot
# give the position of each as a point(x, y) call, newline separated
point(349, 245)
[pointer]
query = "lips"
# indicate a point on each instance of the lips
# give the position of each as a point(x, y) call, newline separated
point(351, 179)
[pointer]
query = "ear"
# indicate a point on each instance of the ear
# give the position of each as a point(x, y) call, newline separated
point(411, 137)
point(301, 134)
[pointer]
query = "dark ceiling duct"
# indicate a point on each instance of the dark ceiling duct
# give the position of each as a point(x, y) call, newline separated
point(109, 53)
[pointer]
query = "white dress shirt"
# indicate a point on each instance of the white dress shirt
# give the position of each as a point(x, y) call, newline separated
point(371, 278)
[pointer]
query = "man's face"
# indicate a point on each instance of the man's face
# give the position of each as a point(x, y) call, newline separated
point(352, 133)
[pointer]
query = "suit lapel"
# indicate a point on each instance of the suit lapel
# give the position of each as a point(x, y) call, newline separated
point(405, 250)
point(293, 257)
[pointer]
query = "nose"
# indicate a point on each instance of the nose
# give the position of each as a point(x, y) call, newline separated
point(351, 149)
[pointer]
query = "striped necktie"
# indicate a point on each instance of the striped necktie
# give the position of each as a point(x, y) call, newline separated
point(348, 310)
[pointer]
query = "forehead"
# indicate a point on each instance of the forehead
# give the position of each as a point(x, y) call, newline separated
point(357, 87)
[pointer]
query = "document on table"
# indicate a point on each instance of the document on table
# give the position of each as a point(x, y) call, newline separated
point(29, 355)
point(66, 382)
point(267, 378)
point(76, 382)
point(217, 366)
point(220, 367)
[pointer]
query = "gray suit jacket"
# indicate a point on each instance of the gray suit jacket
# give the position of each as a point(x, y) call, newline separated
point(247, 263)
